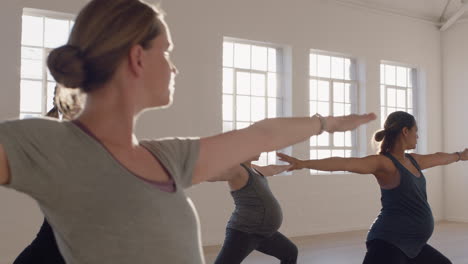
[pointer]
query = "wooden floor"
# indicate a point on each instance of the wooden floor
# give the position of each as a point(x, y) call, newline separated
point(450, 238)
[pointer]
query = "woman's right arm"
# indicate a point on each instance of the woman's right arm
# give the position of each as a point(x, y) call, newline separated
point(217, 153)
point(4, 167)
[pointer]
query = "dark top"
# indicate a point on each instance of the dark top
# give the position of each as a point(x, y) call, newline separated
point(406, 219)
point(257, 210)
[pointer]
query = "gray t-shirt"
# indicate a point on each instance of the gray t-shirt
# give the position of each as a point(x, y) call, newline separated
point(100, 211)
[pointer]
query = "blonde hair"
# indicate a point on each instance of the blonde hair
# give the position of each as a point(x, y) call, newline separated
point(103, 34)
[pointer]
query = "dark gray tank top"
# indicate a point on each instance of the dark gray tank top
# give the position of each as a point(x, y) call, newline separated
point(257, 210)
point(406, 219)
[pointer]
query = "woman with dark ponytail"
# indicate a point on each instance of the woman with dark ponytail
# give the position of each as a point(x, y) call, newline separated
point(400, 233)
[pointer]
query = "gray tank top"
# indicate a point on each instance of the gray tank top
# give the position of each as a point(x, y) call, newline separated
point(257, 210)
point(406, 219)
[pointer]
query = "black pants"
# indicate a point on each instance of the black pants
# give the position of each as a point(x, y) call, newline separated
point(43, 249)
point(238, 245)
point(381, 252)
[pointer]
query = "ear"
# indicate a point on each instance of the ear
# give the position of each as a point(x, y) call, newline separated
point(405, 131)
point(135, 60)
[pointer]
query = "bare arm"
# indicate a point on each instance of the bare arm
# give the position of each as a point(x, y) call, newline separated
point(226, 150)
point(367, 165)
point(4, 167)
point(439, 158)
point(271, 170)
point(228, 175)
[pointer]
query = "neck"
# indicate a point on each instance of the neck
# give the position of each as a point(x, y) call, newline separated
point(110, 116)
point(398, 151)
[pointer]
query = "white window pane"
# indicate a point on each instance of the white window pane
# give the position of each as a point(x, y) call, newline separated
point(390, 110)
point(313, 141)
point(350, 90)
point(382, 95)
point(410, 98)
point(312, 108)
point(313, 90)
point(243, 83)
point(391, 97)
point(242, 56)
point(337, 66)
point(323, 108)
point(32, 31)
point(323, 91)
point(262, 161)
point(272, 60)
point(348, 139)
point(50, 95)
point(348, 109)
point(382, 73)
point(56, 32)
point(31, 69)
point(323, 67)
point(241, 125)
point(338, 139)
point(259, 58)
point(347, 153)
point(258, 108)
point(383, 116)
point(272, 85)
point(410, 111)
point(272, 157)
point(227, 126)
point(349, 71)
point(228, 80)
point(338, 92)
point(31, 53)
point(243, 108)
point(401, 98)
point(258, 84)
point(228, 54)
point(313, 64)
point(272, 107)
point(31, 96)
point(323, 153)
point(29, 115)
point(228, 108)
point(338, 109)
point(390, 75)
point(338, 153)
point(401, 76)
point(410, 77)
point(323, 140)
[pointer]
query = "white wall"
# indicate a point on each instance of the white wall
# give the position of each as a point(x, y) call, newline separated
point(311, 204)
point(455, 54)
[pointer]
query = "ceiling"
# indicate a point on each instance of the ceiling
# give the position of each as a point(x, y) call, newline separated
point(429, 10)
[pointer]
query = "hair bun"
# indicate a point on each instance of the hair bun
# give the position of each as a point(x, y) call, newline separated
point(66, 64)
point(379, 136)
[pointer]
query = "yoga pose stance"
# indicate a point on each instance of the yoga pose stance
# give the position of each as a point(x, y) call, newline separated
point(109, 197)
point(257, 217)
point(400, 233)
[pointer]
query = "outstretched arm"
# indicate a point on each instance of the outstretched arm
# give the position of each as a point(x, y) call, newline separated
point(4, 167)
point(217, 153)
point(271, 170)
point(439, 158)
point(367, 165)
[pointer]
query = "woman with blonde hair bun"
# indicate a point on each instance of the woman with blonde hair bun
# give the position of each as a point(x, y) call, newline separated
point(110, 197)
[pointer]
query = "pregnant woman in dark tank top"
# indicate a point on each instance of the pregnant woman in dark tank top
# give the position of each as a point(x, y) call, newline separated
point(256, 218)
point(400, 232)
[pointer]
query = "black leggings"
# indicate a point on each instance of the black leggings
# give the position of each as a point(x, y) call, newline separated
point(381, 252)
point(238, 245)
point(43, 249)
